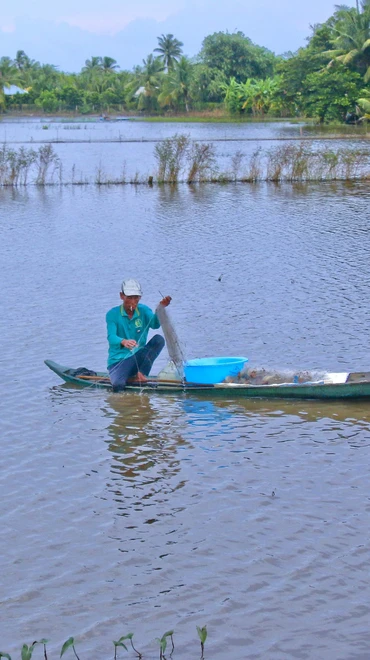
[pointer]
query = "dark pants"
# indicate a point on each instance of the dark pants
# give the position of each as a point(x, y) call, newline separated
point(142, 361)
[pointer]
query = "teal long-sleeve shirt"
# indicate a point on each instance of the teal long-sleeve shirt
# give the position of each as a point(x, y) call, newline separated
point(120, 326)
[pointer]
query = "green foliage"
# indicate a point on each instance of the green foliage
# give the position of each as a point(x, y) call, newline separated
point(5, 655)
point(176, 87)
point(169, 49)
point(68, 644)
point(236, 56)
point(163, 642)
point(329, 94)
point(202, 634)
point(351, 38)
point(122, 639)
point(364, 104)
point(47, 101)
point(320, 80)
point(26, 653)
point(258, 97)
point(293, 72)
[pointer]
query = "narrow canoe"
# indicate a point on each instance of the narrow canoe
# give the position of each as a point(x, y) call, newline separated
point(354, 385)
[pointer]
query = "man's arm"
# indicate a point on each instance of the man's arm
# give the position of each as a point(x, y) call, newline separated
point(113, 339)
point(155, 322)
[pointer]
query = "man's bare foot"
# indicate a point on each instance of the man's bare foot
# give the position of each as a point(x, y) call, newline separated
point(139, 378)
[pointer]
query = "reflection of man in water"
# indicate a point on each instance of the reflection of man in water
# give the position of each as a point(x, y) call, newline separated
point(128, 325)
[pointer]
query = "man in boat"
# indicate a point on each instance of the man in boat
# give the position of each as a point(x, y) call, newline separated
point(129, 356)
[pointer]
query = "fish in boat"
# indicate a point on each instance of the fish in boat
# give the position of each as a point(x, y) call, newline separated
point(355, 385)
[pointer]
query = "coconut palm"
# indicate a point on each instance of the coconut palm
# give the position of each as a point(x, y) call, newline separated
point(176, 88)
point(109, 64)
point(93, 64)
point(352, 37)
point(169, 49)
point(22, 61)
point(146, 82)
point(9, 75)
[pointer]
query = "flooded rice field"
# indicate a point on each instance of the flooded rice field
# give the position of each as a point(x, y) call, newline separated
point(94, 151)
point(145, 512)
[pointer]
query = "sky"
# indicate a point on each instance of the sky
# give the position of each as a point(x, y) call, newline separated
point(67, 33)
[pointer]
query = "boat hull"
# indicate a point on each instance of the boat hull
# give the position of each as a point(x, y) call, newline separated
point(356, 386)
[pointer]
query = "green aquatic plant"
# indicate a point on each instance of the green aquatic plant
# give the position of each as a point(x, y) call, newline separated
point(5, 655)
point(163, 643)
point(68, 644)
point(26, 652)
point(202, 634)
point(117, 644)
point(120, 643)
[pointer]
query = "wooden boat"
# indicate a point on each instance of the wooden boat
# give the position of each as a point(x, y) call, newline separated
point(354, 385)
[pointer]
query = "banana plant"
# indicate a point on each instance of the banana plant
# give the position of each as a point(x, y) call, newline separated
point(364, 105)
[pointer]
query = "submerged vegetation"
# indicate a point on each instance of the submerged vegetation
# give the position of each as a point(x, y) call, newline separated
point(327, 80)
point(180, 159)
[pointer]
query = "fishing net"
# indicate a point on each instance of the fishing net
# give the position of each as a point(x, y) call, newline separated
point(174, 347)
point(260, 376)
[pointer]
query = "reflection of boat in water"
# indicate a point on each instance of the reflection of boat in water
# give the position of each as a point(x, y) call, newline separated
point(334, 386)
point(351, 411)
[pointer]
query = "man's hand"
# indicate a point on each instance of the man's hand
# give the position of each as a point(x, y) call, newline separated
point(165, 301)
point(129, 343)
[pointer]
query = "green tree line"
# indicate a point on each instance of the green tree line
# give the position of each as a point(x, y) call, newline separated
point(327, 79)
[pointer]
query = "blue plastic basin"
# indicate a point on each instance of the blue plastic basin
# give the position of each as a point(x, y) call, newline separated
point(213, 369)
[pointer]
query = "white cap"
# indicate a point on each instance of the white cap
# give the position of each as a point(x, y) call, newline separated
point(131, 288)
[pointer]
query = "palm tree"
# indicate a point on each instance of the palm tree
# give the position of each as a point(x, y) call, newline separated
point(176, 87)
point(109, 64)
point(93, 64)
point(47, 78)
point(9, 75)
point(22, 61)
point(170, 50)
point(352, 37)
point(147, 81)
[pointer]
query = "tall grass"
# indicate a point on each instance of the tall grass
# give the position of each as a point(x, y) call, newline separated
point(180, 159)
point(17, 166)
